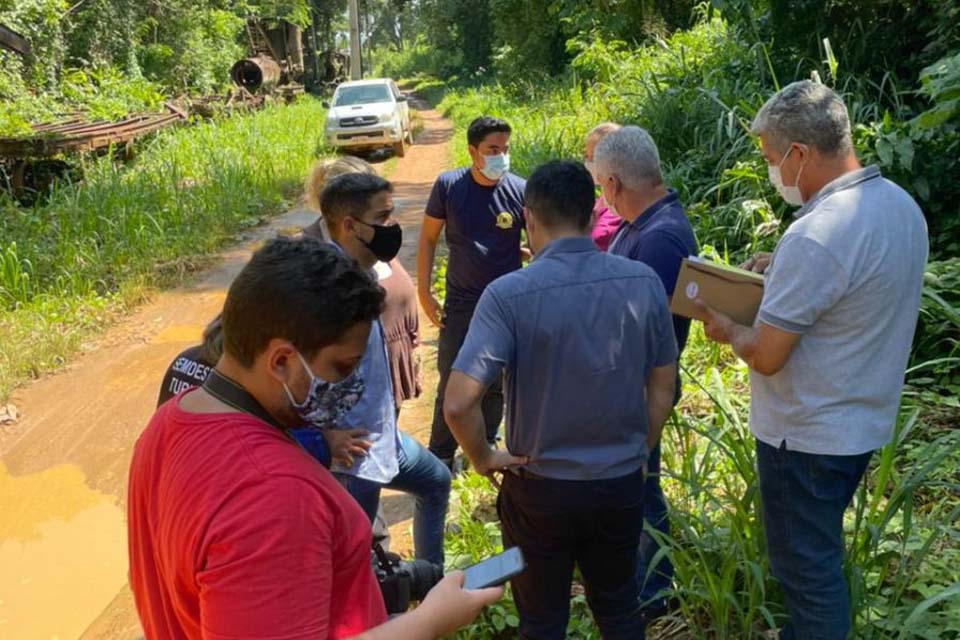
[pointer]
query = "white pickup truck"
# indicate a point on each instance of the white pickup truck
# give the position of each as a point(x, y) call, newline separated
point(368, 114)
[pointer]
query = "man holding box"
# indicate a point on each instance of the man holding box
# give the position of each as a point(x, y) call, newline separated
point(829, 347)
point(655, 231)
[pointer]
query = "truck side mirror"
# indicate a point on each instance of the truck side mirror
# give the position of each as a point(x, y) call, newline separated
point(325, 104)
point(401, 98)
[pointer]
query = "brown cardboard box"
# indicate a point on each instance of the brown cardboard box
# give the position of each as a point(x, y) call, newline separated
point(730, 290)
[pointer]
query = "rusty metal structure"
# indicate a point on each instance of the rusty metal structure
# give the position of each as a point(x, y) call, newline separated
point(279, 62)
point(276, 58)
point(76, 134)
point(28, 162)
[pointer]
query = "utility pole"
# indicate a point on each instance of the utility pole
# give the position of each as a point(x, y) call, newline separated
point(355, 71)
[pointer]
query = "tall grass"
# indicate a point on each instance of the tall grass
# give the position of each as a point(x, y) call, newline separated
point(92, 245)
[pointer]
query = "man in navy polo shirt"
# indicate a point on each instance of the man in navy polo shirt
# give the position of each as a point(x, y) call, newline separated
point(655, 231)
point(481, 207)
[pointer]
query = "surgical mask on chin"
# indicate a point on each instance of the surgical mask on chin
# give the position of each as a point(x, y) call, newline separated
point(790, 194)
point(327, 402)
point(494, 167)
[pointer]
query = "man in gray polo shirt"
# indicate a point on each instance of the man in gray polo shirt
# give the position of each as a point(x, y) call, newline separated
point(587, 343)
point(828, 350)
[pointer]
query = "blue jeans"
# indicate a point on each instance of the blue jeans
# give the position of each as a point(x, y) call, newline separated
point(653, 587)
point(804, 496)
point(428, 480)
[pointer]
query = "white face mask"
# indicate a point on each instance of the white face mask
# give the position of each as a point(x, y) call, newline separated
point(790, 194)
point(494, 167)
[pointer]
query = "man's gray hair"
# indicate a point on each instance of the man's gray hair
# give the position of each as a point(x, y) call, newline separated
point(806, 112)
point(630, 154)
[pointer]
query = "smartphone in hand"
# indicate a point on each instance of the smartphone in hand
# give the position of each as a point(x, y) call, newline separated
point(495, 570)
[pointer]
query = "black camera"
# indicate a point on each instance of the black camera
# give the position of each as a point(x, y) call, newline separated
point(403, 582)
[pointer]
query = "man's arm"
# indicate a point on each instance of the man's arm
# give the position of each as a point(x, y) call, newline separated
point(426, 253)
point(661, 387)
point(764, 348)
point(487, 349)
point(446, 608)
point(463, 412)
point(802, 283)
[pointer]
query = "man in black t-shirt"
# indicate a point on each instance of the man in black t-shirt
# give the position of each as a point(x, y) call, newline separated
point(481, 209)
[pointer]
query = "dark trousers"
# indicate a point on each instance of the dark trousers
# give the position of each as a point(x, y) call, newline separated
point(804, 496)
point(654, 581)
point(442, 443)
point(558, 524)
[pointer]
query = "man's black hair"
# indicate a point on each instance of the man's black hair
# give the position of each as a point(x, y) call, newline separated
point(560, 194)
point(349, 195)
point(484, 126)
point(301, 290)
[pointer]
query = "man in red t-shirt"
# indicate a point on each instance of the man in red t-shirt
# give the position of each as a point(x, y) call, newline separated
point(234, 531)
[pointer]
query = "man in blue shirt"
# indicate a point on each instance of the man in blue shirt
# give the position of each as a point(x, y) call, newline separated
point(655, 231)
point(587, 344)
point(358, 209)
point(481, 207)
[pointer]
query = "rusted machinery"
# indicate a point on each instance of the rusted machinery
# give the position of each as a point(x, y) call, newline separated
point(277, 61)
point(31, 162)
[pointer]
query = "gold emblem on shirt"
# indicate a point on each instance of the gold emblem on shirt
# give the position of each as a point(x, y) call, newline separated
point(504, 220)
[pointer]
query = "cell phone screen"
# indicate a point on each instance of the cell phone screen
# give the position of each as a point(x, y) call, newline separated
point(494, 571)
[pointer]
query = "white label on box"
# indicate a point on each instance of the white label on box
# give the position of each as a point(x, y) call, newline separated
point(692, 290)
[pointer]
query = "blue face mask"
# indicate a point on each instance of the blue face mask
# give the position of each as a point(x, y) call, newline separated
point(327, 402)
point(494, 167)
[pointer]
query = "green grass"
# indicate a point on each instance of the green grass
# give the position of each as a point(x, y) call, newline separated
point(94, 248)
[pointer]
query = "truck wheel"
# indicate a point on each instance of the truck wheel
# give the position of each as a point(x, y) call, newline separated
point(399, 150)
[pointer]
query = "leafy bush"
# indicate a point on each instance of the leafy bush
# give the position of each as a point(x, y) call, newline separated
point(416, 60)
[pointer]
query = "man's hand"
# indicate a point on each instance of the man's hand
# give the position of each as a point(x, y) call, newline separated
point(498, 461)
point(344, 445)
point(717, 326)
point(449, 606)
point(432, 307)
point(758, 262)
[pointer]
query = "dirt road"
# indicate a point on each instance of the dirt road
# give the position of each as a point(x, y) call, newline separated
point(63, 466)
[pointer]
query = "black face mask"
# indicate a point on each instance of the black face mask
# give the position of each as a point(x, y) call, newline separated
point(386, 241)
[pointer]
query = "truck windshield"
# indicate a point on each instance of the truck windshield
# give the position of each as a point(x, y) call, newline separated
point(362, 94)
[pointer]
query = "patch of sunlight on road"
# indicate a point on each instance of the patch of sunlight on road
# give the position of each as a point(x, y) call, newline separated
point(63, 554)
point(179, 333)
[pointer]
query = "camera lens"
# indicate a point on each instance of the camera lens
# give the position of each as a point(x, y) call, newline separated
point(423, 576)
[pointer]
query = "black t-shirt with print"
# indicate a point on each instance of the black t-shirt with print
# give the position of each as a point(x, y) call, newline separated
point(187, 370)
